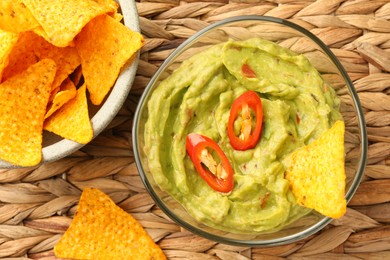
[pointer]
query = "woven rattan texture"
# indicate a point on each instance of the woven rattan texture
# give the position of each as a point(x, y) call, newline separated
point(37, 204)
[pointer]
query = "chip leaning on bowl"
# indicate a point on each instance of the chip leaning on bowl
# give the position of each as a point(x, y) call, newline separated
point(192, 109)
point(81, 37)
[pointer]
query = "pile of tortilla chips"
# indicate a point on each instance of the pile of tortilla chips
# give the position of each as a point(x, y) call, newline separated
point(317, 173)
point(102, 230)
point(54, 56)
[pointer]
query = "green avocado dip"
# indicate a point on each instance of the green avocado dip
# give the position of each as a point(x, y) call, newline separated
point(298, 107)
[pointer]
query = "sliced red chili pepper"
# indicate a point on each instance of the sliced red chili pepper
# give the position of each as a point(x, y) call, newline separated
point(263, 200)
point(247, 71)
point(297, 117)
point(249, 135)
point(217, 174)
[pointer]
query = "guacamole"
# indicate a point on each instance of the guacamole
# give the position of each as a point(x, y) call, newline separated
point(298, 107)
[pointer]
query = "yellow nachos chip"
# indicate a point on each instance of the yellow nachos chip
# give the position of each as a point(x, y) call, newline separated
point(76, 76)
point(21, 55)
point(102, 230)
point(31, 48)
point(7, 42)
point(71, 121)
point(317, 173)
point(112, 4)
point(104, 46)
point(62, 20)
point(16, 17)
point(53, 93)
point(39, 31)
point(23, 100)
point(118, 17)
point(66, 92)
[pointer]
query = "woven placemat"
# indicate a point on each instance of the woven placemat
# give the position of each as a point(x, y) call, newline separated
point(37, 204)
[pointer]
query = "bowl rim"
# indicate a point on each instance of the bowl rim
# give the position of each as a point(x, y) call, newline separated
point(109, 107)
point(253, 243)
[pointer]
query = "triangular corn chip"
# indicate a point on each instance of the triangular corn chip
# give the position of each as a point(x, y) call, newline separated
point(64, 19)
point(16, 17)
point(23, 100)
point(76, 76)
point(112, 4)
point(317, 173)
point(102, 230)
point(66, 92)
point(7, 42)
point(118, 17)
point(104, 46)
point(53, 93)
point(72, 121)
point(31, 48)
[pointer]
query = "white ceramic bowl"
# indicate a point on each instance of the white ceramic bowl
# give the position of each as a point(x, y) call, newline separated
point(55, 147)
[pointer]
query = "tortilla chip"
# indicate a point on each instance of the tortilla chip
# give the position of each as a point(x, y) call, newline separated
point(16, 17)
point(76, 76)
point(102, 230)
point(53, 94)
point(66, 92)
point(104, 46)
point(112, 4)
point(23, 100)
point(71, 121)
point(7, 42)
point(62, 20)
point(317, 173)
point(31, 48)
point(118, 17)
point(21, 56)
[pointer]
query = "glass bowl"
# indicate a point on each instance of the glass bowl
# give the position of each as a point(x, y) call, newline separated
point(301, 41)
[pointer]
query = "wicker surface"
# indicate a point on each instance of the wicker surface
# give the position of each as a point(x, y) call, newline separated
point(37, 204)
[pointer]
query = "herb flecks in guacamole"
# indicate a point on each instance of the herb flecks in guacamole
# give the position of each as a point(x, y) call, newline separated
point(298, 107)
